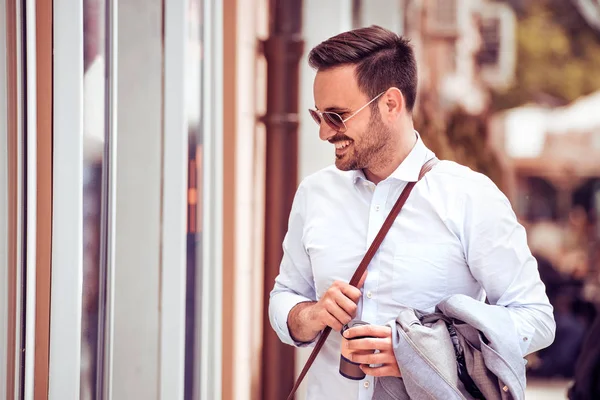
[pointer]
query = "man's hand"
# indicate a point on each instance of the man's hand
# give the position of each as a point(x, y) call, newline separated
point(336, 308)
point(362, 351)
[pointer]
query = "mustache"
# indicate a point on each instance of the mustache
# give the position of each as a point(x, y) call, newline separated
point(339, 137)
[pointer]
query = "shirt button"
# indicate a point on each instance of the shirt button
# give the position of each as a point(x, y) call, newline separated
point(366, 384)
point(525, 339)
point(369, 294)
point(377, 207)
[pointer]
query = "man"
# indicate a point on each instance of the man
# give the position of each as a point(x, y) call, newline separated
point(456, 233)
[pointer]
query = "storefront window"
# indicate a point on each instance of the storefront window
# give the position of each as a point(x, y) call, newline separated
point(195, 170)
point(94, 128)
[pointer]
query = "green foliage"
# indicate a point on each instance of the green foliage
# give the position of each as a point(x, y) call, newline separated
point(558, 60)
point(558, 57)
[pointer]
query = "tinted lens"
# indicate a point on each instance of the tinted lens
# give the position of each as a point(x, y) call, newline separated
point(334, 121)
point(315, 116)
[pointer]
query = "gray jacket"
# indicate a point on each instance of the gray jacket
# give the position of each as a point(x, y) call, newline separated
point(427, 353)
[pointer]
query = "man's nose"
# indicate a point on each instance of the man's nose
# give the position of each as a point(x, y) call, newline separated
point(325, 131)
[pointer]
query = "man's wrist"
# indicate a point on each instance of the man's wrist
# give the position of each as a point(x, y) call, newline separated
point(299, 323)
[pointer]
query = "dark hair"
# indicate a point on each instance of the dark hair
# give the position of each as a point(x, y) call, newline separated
point(382, 58)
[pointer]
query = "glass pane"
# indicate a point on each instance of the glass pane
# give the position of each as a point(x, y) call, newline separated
point(94, 111)
point(194, 218)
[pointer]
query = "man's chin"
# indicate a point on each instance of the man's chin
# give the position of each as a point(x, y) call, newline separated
point(345, 165)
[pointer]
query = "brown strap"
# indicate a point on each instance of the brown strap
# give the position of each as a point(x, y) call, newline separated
point(362, 267)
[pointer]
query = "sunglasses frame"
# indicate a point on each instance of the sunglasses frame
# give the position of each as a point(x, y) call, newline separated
point(318, 116)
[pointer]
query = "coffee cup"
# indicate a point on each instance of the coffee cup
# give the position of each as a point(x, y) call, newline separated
point(348, 368)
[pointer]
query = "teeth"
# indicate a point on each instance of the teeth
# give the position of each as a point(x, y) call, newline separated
point(341, 145)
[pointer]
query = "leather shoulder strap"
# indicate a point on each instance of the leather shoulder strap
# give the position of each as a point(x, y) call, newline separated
point(362, 267)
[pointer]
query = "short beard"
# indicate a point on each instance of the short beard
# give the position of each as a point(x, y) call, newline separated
point(372, 147)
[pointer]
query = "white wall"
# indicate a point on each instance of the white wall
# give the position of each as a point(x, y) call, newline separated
point(319, 23)
point(386, 13)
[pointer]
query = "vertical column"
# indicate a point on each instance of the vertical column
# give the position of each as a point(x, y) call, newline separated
point(67, 221)
point(4, 233)
point(136, 322)
point(107, 258)
point(283, 51)
point(209, 282)
point(14, 201)
point(44, 194)
point(31, 191)
point(230, 163)
point(174, 202)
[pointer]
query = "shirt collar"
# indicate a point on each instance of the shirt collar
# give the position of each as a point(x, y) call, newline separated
point(410, 168)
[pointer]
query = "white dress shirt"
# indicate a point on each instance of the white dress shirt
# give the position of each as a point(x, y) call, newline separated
point(457, 233)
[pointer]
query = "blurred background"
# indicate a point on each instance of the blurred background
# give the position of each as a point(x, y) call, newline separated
point(150, 151)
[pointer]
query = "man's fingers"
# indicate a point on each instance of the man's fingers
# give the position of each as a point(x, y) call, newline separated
point(368, 344)
point(351, 292)
point(368, 330)
point(360, 352)
point(346, 304)
point(338, 312)
point(333, 322)
point(372, 358)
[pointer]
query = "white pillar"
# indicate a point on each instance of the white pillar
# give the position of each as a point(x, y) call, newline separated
point(67, 209)
point(174, 203)
point(136, 334)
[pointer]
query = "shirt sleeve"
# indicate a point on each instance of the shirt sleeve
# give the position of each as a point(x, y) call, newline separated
point(295, 283)
point(500, 259)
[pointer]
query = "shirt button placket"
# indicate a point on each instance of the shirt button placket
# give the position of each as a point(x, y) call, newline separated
point(366, 392)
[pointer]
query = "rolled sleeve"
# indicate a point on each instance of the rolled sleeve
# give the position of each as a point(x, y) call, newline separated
point(295, 282)
point(278, 312)
point(500, 259)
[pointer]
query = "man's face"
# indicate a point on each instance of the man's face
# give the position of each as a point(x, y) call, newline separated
point(366, 137)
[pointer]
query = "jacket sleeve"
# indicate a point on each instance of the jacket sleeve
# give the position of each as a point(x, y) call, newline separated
point(497, 253)
point(295, 283)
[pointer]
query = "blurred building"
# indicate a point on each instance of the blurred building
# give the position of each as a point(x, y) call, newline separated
point(552, 173)
point(558, 144)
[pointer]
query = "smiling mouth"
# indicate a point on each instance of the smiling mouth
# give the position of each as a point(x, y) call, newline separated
point(341, 145)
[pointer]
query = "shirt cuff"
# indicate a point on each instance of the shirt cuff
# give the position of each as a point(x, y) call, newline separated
point(282, 306)
point(525, 332)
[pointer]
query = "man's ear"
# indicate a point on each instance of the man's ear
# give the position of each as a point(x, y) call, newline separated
point(394, 103)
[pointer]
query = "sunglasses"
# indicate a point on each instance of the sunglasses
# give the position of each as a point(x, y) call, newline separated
point(334, 120)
